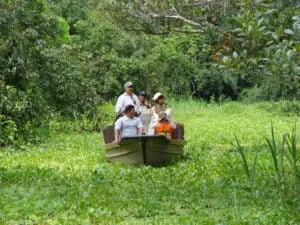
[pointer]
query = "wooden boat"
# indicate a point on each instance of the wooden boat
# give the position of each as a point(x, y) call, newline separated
point(145, 149)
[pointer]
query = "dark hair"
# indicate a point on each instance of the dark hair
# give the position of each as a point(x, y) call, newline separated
point(129, 108)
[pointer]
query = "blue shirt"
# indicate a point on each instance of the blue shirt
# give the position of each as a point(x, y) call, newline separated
point(128, 126)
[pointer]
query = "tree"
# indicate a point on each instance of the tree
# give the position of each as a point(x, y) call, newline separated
point(38, 75)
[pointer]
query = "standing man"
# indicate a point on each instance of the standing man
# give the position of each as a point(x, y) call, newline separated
point(127, 98)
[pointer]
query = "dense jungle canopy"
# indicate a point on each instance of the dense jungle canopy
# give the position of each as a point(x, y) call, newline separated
point(65, 57)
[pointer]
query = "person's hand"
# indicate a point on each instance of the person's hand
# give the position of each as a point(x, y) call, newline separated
point(168, 111)
point(115, 142)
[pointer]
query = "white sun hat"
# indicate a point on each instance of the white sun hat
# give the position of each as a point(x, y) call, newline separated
point(157, 96)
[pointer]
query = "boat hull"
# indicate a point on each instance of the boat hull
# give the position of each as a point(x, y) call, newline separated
point(150, 150)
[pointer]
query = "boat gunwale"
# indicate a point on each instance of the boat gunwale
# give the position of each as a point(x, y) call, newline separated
point(109, 146)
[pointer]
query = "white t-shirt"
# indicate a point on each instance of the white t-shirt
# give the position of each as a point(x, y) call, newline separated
point(125, 100)
point(128, 126)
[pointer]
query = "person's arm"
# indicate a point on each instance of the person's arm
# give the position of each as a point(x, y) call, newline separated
point(155, 128)
point(169, 112)
point(173, 125)
point(118, 125)
point(147, 103)
point(143, 131)
point(140, 131)
point(119, 105)
point(137, 105)
point(140, 127)
point(117, 136)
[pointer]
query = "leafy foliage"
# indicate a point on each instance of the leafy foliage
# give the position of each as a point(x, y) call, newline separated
point(65, 57)
point(39, 76)
point(250, 44)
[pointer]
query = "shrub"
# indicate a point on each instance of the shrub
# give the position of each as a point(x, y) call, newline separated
point(8, 130)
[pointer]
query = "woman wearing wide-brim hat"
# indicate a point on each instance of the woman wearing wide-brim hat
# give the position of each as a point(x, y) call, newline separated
point(160, 105)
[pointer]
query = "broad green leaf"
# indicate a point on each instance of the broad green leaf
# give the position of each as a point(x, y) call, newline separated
point(290, 54)
point(289, 31)
point(234, 55)
point(296, 18)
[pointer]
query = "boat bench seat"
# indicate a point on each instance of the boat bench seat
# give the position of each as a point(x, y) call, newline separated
point(108, 133)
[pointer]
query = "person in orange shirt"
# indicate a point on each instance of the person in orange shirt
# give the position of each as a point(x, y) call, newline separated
point(164, 126)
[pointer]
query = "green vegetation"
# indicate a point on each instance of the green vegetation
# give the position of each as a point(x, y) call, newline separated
point(62, 63)
point(65, 57)
point(227, 175)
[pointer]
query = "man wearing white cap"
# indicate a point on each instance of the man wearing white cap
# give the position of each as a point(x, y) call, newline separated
point(127, 98)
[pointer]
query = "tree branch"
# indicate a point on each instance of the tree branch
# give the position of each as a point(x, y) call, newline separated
point(186, 31)
point(173, 14)
point(203, 2)
point(187, 21)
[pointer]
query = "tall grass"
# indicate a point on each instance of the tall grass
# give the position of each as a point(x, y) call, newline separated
point(243, 156)
point(273, 148)
point(284, 155)
point(250, 170)
point(293, 157)
point(282, 151)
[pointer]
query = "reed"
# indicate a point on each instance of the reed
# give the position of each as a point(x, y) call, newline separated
point(250, 170)
point(293, 157)
point(273, 149)
point(240, 149)
point(284, 152)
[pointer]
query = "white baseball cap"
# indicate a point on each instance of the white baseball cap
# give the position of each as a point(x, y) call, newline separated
point(128, 84)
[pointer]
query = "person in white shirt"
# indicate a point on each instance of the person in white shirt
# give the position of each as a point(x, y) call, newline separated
point(128, 125)
point(127, 98)
point(160, 105)
point(145, 110)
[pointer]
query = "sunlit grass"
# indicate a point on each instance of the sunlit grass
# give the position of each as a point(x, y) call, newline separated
point(67, 179)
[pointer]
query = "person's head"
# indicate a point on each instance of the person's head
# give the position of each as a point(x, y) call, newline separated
point(128, 86)
point(130, 111)
point(159, 98)
point(142, 96)
point(162, 116)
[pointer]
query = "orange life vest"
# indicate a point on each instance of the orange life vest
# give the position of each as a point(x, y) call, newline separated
point(164, 128)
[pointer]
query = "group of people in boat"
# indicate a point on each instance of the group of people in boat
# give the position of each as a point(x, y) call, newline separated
point(137, 116)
